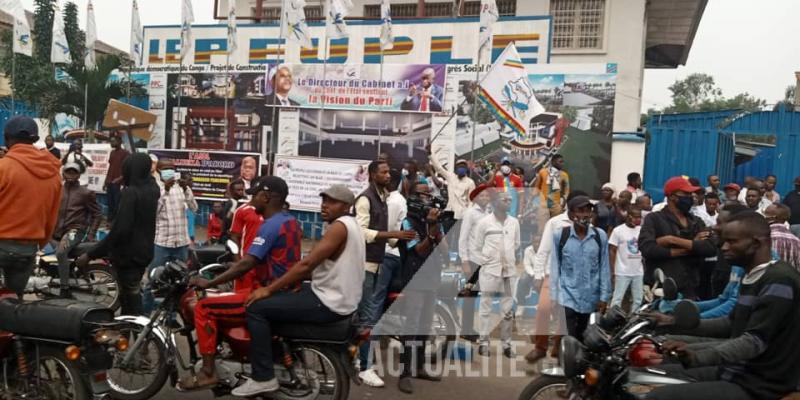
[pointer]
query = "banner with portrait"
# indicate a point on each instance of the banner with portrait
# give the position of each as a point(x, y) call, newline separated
point(212, 171)
point(307, 177)
point(368, 87)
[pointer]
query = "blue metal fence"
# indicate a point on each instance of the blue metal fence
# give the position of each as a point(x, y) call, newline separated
point(20, 108)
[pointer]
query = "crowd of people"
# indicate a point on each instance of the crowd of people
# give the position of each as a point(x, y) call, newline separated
point(511, 238)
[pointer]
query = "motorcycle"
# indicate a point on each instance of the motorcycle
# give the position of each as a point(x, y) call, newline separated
point(94, 284)
point(311, 360)
point(56, 349)
point(620, 365)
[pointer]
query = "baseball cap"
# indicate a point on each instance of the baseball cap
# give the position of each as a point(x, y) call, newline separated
point(679, 183)
point(579, 202)
point(71, 165)
point(609, 186)
point(461, 161)
point(339, 192)
point(21, 127)
point(271, 184)
point(732, 186)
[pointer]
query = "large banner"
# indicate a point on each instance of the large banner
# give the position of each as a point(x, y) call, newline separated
point(578, 121)
point(212, 171)
point(394, 87)
point(427, 41)
point(307, 177)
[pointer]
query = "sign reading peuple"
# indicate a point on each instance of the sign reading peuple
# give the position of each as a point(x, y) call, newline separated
point(426, 41)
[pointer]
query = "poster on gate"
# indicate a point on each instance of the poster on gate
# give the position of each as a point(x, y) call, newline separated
point(307, 177)
point(370, 87)
point(212, 171)
point(95, 176)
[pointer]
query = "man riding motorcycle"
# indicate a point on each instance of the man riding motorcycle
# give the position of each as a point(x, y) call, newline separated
point(78, 217)
point(758, 360)
point(273, 251)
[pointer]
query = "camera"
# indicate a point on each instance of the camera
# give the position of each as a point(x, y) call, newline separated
point(418, 209)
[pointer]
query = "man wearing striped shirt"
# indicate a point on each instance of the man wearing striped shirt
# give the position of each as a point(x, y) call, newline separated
point(785, 245)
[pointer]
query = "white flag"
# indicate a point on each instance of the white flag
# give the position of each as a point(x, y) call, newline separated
point(23, 43)
point(59, 52)
point(387, 37)
point(295, 17)
point(232, 30)
point(137, 35)
point(488, 17)
point(91, 36)
point(507, 92)
point(187, 17)
point(334, 22)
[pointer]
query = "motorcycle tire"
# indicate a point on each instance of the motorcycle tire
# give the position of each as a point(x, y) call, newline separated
point(106, 271)
point(447, 328)
point(537, 388)
point(161, 374)
point(342, 379)
point(57, 354)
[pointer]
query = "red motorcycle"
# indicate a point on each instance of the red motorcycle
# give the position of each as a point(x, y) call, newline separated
point(311, 361)
point(56, 349)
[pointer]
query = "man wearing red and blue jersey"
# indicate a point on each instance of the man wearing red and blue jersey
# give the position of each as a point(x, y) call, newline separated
point(274, 250)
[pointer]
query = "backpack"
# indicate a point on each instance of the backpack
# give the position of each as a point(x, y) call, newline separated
point(563, 242)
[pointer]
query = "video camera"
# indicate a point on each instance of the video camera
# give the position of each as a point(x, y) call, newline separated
point(417, 209)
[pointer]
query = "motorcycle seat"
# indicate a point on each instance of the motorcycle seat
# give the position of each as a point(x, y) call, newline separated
point(338, 331)
point(58, 319)
point(80, 248)
point(208, 254)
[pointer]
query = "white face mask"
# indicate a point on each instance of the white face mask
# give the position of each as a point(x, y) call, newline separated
point(505, 169)
point(404, 172)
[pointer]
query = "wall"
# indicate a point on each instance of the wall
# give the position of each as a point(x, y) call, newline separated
point(632, 147)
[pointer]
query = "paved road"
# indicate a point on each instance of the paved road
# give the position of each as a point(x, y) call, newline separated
point(500, 383)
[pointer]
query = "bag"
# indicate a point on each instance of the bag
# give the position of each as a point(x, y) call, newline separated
point(565, 237)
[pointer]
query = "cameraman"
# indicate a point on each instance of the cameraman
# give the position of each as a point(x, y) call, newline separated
point(423, 259)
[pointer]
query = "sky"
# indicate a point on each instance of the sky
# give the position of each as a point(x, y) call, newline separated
point(746, 48)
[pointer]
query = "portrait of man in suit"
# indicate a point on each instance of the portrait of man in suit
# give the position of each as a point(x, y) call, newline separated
point(427, 97)
point(282, 82)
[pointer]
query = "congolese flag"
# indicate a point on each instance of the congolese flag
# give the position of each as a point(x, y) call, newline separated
point(507, 92)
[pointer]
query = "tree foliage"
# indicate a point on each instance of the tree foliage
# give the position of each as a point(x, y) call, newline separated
point(75, 36)
point(43, 29)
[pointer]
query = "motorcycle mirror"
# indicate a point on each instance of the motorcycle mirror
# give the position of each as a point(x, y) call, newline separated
point(659, 276)
point(232, 246)
point(687, 315)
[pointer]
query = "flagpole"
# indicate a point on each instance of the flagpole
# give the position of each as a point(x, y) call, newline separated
point(227, 85)
point(324, 74)
point(475, 103)
point(13, 72)
point(85, 101)
point(274, 121)
point(380, 109)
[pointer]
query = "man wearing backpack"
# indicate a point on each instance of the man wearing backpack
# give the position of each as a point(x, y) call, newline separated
point(580, 276)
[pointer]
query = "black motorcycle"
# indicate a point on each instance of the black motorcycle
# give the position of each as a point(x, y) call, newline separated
point(56, 349)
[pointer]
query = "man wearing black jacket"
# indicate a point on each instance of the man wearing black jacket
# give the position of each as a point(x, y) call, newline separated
point(676, 241)
point(758, 358)
point(130, 241)
point(792, 200)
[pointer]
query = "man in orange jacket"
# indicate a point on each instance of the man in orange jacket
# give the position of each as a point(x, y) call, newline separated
point(30, 193)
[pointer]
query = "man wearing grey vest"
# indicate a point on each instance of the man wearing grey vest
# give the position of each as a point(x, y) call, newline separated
point(372, 216)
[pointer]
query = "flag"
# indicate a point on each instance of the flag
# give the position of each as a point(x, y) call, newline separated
point(232, 45)
point(488, 17)
point(91, 36)
point(387, 38)
point(508, 94)
point(137, 36)
point(59, 51)
point(22, 31)
point(334, 23)
point(295, 17)
point(187, 17)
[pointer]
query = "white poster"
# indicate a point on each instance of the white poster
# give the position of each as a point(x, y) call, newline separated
point(95, 175)
point(443, 134)
point(307, 177)
point(289, 126)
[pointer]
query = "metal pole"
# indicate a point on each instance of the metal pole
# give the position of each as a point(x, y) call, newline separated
point(13, 72)
point(227, 84)
point(85, 101)
point(380, 110)
point(274, 106)
point(180, 96)
point(475, 104)
point(324, 73)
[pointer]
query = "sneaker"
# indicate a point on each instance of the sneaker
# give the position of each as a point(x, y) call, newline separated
point(252, 387)
point(405, 386)
point(483, 350)
point(371, 378)
point(535, 355)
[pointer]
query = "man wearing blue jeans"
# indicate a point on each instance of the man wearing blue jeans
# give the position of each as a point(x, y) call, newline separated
point(335, 267)
point(172, 233)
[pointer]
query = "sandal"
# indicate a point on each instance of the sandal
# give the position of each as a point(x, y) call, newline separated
point(194, 382)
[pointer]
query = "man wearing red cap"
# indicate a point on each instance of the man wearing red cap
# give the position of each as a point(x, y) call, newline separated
point(731, 193)
point(674, 240)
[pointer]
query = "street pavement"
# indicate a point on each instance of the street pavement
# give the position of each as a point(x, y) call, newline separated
point(501, 382)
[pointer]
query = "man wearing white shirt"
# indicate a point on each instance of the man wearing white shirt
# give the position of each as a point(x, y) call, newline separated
point(466, 237)
point(708, 211)
point(495, 250)
point(459, 186)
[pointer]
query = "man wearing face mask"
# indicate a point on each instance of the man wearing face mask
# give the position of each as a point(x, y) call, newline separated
point(506, 181)
point(459, 186)
point(78, 217)
point(675, 240)
point(580, 275)
point(553, 185)
point(172, 233)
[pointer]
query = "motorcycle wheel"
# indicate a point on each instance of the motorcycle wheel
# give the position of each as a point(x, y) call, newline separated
point(149, 372)
point(58, 378)
point(545, 388)
point(324, 363)
point(98, 286)
point(444, 328)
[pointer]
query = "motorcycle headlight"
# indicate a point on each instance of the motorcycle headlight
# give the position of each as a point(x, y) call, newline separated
point(571, 356)
point(595, 339)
